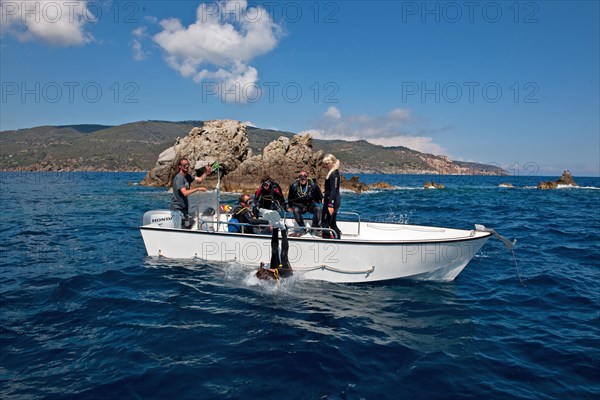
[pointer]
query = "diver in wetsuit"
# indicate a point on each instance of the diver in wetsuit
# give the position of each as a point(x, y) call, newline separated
point(245, 214)
point(269, 195)
point(280, 264)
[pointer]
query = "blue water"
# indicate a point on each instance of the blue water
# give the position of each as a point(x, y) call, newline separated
point(86, 315)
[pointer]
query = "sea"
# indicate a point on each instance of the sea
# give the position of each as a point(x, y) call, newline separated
point(86, 314)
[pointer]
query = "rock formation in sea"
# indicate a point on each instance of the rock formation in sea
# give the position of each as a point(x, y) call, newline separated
point(222, 140)
point(565, 180)
point(380, 185)
point(354, 184)
point(433, 185)
point(281, 160)
point(226, 141)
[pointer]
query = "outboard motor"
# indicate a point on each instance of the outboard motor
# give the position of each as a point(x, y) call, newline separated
point(160, 218)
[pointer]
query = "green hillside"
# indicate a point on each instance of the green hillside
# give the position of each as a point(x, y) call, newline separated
point(135, 147)
point(370, 157)
point(259, 138)
point(129, 147)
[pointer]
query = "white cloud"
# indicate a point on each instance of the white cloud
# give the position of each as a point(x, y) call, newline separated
point(59, 23)
point(219, 45)
point(399, 114)
point(333, 112)
point(420, 143)
point(392, 129)
point(136, 43)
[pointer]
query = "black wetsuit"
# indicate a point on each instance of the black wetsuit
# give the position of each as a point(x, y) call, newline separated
point(246, 216)
point(281, 264)
point(271, 198)
point(332, 199)
point(306, 199)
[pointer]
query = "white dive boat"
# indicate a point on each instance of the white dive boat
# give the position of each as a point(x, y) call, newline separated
point(367, 251)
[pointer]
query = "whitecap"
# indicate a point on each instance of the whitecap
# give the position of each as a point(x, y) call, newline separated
point(393, 188)
point(566, 187)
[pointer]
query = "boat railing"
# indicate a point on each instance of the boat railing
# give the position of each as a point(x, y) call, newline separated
point(329, 230)
point(212, 226)
point(357, 215)
point(287, 217)
point(206, 226)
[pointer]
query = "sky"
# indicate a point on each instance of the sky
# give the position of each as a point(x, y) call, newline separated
point(507, 83)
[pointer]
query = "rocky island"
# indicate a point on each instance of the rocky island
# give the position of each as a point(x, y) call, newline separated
point(566, 179)
point(227, 141)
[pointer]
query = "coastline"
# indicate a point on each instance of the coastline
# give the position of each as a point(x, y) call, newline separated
point(135, 147)
point(347, 171)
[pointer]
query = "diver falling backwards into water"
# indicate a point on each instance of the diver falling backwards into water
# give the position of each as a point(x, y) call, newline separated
point(280, 264)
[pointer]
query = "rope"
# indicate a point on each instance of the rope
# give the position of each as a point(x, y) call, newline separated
point(342, 271)
point(517, 268)
point(510, 246)
point(507, 243)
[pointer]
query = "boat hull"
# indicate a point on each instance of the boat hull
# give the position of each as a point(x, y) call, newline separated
point(343, 261)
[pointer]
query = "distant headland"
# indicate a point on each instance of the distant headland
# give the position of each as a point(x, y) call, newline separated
point(135, 147)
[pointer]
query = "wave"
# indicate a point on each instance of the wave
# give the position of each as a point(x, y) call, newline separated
point(559, 187)
point(449, 187)
point(586, 187)
point(382, 190)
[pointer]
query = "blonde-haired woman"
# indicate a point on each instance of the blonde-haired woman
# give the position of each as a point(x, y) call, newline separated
point(332, 200)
